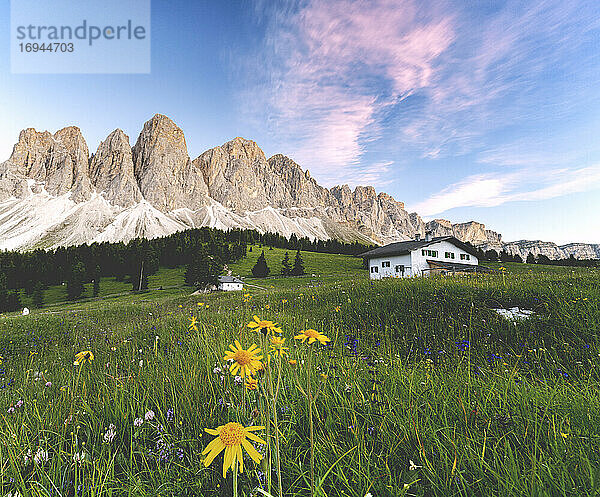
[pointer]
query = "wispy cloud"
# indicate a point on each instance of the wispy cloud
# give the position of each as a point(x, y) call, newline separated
point(335, 65)
point(490, 190)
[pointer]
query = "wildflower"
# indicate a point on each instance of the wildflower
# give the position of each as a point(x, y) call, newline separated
point(263, 326)
point(40, 457)
point(137, 422)
point(48, 384)
point(312, 335)
point(246, 362)
point(83, 357)
point(277, 346)
point(1, 359)
point(170, 414)
point(251, 383)
point(412, 466)
point(231, 438)
point(149, 416)
point(217, 370)
point(238, 380)
point(79, 458)
point(110, 433)
point(323, 376)
point(11, 410)
point(19, 404)
point(192, 325)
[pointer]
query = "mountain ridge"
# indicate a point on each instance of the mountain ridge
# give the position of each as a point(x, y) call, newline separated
point(53, 192)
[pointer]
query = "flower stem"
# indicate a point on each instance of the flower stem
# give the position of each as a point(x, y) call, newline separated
point(311, 426)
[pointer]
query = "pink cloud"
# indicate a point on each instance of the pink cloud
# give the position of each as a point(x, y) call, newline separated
point(327, 57)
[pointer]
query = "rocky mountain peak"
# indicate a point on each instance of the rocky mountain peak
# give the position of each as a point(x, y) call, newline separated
point(163, 170)
point(111, 170)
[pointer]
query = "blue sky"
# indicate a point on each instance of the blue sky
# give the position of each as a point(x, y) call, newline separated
point(484, 110)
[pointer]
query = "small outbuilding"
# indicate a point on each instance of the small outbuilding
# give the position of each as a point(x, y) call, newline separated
point(422, 257)
point(230, 284)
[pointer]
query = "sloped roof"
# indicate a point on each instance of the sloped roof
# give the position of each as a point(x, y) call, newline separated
point(229, 279)
point(402, 248)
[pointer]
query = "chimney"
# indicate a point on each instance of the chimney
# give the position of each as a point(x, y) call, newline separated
point(417, 237)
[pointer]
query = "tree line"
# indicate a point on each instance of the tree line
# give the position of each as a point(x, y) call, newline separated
point(503, 256)
point(201, 249)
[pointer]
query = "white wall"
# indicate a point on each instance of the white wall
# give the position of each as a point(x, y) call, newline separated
point(416, 263)
point(228, 287)
point(385, 272)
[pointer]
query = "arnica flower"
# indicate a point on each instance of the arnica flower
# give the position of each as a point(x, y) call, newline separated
point(83, 357)
point(251, 383)
point(277, 346)
point(231, 438)
point(193, 322)
point(312, 335)
point(264, 326)
point(246, 362)
point(293, 362)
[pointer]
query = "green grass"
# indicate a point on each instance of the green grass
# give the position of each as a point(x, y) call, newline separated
point(516, 412)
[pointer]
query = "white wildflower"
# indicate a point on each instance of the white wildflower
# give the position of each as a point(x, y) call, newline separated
point(149, 416)
point(110, 433)
point(41, 456)
point(137, 422)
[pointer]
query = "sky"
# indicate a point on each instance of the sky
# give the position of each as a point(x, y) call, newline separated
point(481, 110)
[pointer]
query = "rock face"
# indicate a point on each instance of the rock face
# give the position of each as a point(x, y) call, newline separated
point(164, 172)
point(53, 193)
point(111, 170)
point(59, 161)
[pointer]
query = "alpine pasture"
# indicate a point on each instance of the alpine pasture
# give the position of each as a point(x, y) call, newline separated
point(422, 388)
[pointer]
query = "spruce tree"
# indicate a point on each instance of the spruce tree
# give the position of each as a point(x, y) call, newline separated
point(38, 295)
point(298, 269)
point(97, 281)
point(286, 267)
point(530, 258)
point(261, 269)
point(75, 281)
point(203, 271)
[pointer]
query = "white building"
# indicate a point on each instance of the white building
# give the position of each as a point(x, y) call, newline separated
point(230, 284)
point(444, 254)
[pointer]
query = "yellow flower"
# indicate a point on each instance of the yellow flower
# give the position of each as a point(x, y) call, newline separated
point(323, 376)
point(200, 304)
point(277, 346)
point(263, 325)
point(1, 359)
point(312, 335)
point(83, 357)
point(293, 362)
point(337, 308)
point(246, 362)
point(251, 383)
point(192, 325)
point(231, 438)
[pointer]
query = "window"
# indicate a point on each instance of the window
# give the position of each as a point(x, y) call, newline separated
point(465, 257)
point(400, 268)
point(449, 255)
point(385, 264)
point(423, 252)
point(374, 269)
point(429, 253)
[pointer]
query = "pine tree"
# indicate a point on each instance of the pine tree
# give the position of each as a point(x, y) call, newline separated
point(97, 281)
point(75, 282)
point(286, 267)
point(38, 295)
point(530, 258)
point(203, 271)
point(261, 269)
point(298, 269)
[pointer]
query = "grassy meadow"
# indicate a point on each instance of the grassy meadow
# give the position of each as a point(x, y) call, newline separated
point(423, 390)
